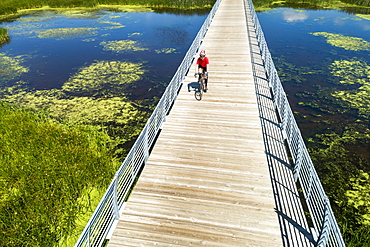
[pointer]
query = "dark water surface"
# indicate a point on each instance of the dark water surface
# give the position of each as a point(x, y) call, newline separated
point(303, 59)
point(53, 56)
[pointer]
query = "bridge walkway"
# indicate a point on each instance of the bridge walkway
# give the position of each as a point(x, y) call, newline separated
point(207, 180)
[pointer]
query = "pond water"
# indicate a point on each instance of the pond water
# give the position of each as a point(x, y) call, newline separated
point(322, 57)
point(48, 48)
point(100, 68)
point(62, 60)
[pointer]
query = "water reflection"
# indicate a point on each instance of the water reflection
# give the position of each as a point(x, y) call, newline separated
point(294, 16)
point(68, 41)
point(314, 52)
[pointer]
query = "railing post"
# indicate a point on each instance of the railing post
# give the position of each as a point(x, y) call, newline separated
point(115, 198)
point(298, 162)
point(323, 237)
point(146, 144)
point(308, 196)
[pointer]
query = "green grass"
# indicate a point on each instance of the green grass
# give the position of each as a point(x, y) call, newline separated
point(8, 7)
point(47, 173)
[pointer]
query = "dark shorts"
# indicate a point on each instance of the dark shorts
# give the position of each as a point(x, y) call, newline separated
point(204, 68)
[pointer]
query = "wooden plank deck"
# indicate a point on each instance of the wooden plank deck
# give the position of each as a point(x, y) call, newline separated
point(207, 180)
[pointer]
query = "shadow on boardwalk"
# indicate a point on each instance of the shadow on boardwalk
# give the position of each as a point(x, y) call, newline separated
point(295, 229)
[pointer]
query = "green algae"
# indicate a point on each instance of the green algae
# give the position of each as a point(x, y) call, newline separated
point(165, 51)
point(126, 8)
point(93, 95)
point(345, 42)
point(11, 67)
point(134, 34)
point(84, 12)
point(359, 196)
point(66, 33)
point(4, 36)
point(113, 25)
point(353, 72)
point(89, 40)
point(363, 16)
point(120, 46)
point(110, 76)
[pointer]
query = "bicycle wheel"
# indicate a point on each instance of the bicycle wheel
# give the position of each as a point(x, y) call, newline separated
point(198, 94)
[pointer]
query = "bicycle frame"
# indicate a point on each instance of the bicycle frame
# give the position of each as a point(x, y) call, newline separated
point(199, 92)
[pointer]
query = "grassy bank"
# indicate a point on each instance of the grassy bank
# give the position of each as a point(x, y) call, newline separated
point(8, 7)
point(350, 6)
point(4, 37)
point(48, 173)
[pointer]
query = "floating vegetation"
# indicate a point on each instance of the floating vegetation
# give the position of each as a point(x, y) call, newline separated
point(3, 35)
point(354, 72)
point(114, 25)
point(78, 110)
point(93, 95)
point(345, 42)
point(104, 76)
point(67, 33)
point(122, 46)
point(165, 51)
point(11, 68)
point(363, 16)
point(133, 34)
point(89, 40)
point(126, 8)
point(359, 196)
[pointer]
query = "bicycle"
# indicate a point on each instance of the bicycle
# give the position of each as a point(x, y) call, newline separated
point(202, 86)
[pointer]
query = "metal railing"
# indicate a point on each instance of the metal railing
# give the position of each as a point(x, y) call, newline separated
point(108, 210)
point(324, 223)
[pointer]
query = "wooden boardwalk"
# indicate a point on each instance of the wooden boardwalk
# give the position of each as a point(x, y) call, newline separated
point(207, 180)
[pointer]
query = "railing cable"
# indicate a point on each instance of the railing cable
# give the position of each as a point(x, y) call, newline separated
point(318, 204)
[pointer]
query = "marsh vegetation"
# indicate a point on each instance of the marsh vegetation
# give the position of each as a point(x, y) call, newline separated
point(96, 98)
point(85, 80)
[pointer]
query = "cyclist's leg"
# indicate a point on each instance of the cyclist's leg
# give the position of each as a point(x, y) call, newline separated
point(206, 78)
point(200, 71)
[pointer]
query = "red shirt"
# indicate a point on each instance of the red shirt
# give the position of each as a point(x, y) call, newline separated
point(203, 62)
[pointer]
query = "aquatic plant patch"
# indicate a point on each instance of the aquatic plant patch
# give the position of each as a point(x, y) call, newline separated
point(66, 33)
point(165, 51)
point(359, 196)
point(354, 72)
point(11, 68)
point(345, 42)
point(104, 78)
point(4, 37)
point(96, 94)
point(122, 46)
point(112, 25)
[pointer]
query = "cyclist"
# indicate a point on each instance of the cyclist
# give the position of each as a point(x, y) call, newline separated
point(202, 64)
